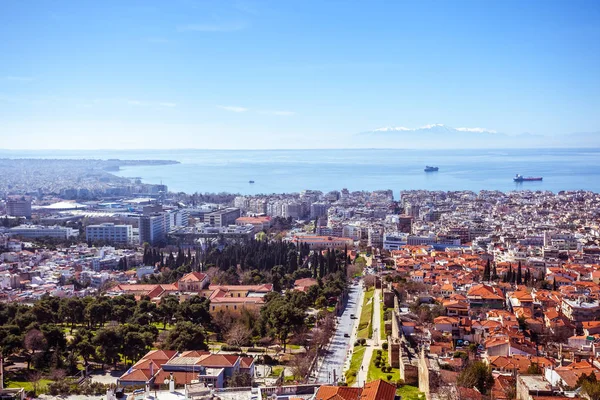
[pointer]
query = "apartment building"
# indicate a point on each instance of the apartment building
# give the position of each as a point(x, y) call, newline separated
point(38, 231)
point(19, 206)
point(223, 217)
point(110, 233)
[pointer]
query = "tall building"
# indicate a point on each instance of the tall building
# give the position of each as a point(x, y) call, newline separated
point(224, 217)
point(375, 237)
point(318, 210)
point(178, 218)
point(18, 206)
point(153, 228)
point(405, 223)
point(110, 233)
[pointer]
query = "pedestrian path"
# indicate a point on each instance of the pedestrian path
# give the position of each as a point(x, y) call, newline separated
point(372, 344)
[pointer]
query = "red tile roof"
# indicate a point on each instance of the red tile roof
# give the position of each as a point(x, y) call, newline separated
point(378, 390)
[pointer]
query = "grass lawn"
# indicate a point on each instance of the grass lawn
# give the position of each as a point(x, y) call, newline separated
point(376, 373)
point(365, 327)
point(410, 393)
point(160, 325)
point(355, 362)
point(382, 321)
point(28, 386)
point(276, 372)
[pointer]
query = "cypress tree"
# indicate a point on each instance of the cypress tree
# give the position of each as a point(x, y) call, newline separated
point(554, 286)
point(486, 272)
point(519, 275)
point(494, 273)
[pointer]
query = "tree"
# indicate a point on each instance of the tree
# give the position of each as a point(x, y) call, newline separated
point(185, 336)
point(487, 272)
point(534, 369)
point(301, 364)
point(34, 341)
point(476, 375)
point(196, 310)
point(108, 345)
point(167, 309)
point(369, 281)
point(239, 379)
point(589, 385)
point(134, 345)
point(519, 274)
point(71, 310)
point(494, 273)
point(238, 335)
point(282, 317)
point(86, 350)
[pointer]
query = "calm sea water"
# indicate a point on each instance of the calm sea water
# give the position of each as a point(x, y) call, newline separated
point(281, 171)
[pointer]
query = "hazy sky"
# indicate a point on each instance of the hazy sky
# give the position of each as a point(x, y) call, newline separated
point(285, 74)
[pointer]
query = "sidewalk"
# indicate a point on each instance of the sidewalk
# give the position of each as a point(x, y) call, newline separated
point(372, 344)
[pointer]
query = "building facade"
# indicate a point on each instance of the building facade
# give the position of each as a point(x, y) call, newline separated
point(224, 217)
point(110, 233)
point(19, 206)
point(153, 228)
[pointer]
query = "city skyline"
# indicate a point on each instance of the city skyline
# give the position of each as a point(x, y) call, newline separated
point(268, 75)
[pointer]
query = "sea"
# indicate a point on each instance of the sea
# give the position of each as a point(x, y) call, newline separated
point(288, 171)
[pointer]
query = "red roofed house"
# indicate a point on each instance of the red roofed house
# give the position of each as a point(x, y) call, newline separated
point(205, 367)
point(193, 282)
point(304, 283)
point(375, 390)
point(485, 296)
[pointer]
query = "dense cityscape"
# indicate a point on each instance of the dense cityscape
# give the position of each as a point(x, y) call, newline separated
point(111, 286)
point(300, 200)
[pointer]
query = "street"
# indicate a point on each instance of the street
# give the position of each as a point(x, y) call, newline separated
point(333, 362)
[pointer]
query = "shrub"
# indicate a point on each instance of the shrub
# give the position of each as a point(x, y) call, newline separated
point(385, 345)
point(357, 343)
point(255, 350)
point(269, 360)
point(363, 342)
point(379, 352)
point(230, 348)
point(389, 377)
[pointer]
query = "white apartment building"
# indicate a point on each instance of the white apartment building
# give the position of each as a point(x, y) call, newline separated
point(38, 231)
point(394, 240)
point(178, 218)
point(110, 233)
point(375, 237)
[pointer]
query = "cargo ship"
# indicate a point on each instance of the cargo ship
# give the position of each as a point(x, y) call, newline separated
point(431, 169)
point(520, 178)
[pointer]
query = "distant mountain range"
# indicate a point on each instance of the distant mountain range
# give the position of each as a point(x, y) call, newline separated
point(439, 136)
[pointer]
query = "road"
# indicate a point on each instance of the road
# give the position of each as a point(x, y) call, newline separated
point(333, 362)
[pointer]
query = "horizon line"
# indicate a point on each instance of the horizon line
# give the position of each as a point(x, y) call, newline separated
point(318, 149)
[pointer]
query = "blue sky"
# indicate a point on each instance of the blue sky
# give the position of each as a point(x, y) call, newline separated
point(290, 74)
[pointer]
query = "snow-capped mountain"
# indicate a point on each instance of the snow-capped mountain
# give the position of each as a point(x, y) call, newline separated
point(432, 128)
point(441, 136)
